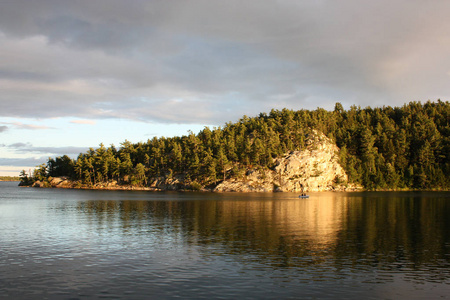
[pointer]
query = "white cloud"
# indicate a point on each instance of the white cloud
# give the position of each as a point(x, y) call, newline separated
point(86, 122)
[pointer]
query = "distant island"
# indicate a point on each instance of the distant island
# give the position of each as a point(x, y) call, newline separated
point(384, 148)
point(9, 178)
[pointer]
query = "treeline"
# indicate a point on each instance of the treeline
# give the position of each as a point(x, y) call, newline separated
point(9, 178)
point(381, 148)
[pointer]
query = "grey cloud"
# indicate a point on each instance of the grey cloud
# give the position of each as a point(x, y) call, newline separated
point(30, 126)
point(19, 125)
point(3, 128)
point(71, 151)
point(20, 162)
point(110, 36)
point(27, 148)
point(19, 145)
point(213, 61)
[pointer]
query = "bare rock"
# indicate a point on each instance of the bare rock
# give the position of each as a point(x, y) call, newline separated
point(38, 184)
point(61, 182)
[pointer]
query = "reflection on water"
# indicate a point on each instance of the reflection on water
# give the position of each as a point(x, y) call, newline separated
point(85, 244)
point(395, 232)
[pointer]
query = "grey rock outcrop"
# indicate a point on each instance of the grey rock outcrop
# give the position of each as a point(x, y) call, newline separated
point(38, 184)
point(62, 182)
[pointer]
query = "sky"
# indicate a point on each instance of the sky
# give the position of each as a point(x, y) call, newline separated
point(74, 74)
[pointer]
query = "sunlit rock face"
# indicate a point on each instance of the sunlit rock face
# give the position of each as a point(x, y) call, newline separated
point(315, 168)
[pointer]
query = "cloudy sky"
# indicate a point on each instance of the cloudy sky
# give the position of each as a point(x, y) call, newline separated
point(75, 73)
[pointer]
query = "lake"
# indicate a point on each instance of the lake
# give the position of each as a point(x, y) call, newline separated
point(81, 244)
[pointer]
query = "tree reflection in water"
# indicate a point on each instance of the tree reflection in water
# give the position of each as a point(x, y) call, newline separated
point(342, 231)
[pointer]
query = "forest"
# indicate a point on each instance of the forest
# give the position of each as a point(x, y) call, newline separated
point(385, 148)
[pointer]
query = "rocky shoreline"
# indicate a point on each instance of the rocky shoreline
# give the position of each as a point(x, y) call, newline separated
point(66, 183)
point(231, 187)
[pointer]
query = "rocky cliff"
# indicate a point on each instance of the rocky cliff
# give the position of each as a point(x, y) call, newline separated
point(316, 168)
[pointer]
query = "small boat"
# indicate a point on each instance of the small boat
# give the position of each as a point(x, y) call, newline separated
point(303, 196)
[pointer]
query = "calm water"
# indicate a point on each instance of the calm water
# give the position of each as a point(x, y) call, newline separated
point(75, 244)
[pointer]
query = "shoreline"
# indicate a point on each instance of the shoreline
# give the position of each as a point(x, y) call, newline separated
point(154, 189)
point(64, 182)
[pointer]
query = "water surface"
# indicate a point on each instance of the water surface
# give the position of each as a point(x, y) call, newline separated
point(79, 244)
